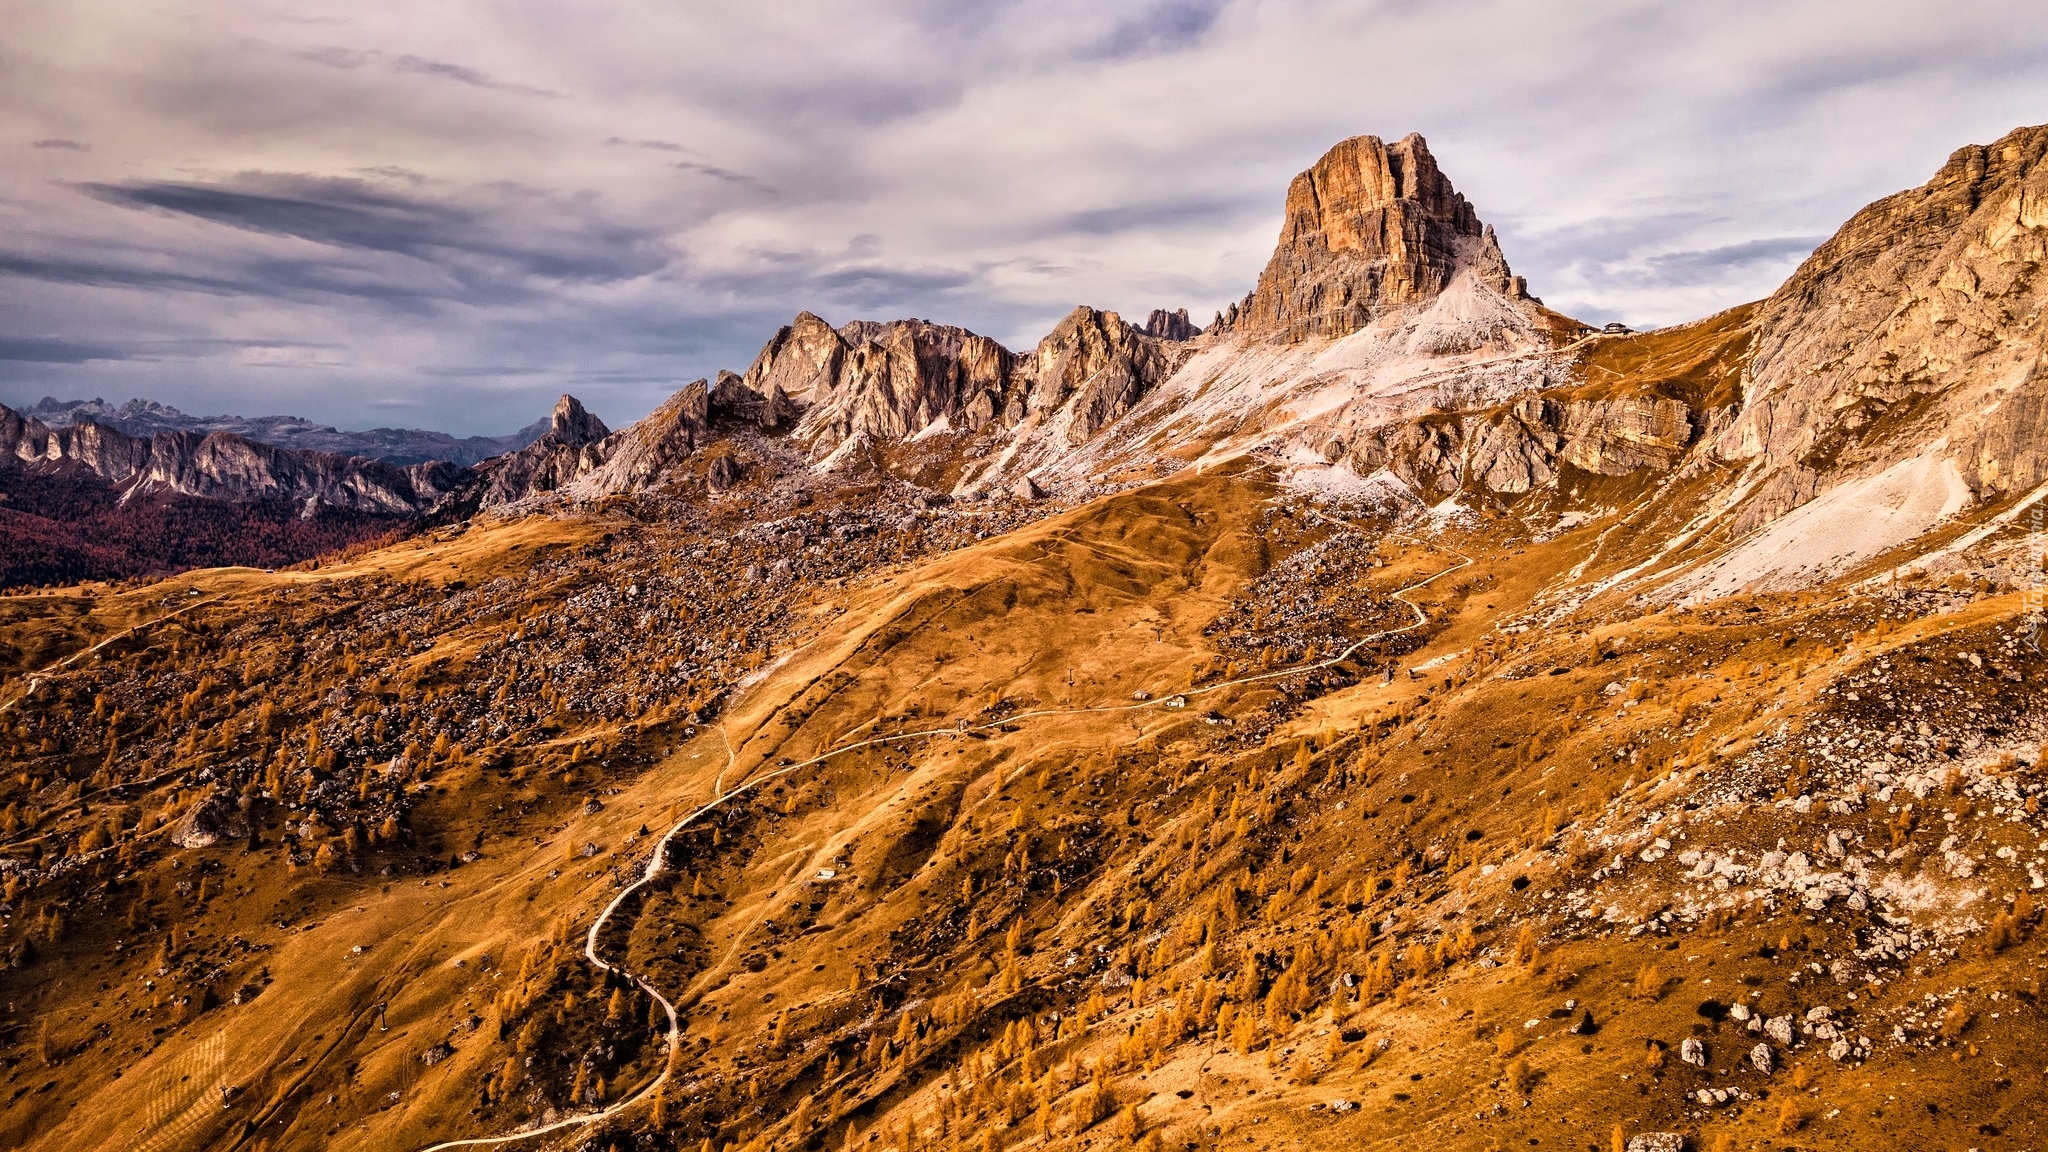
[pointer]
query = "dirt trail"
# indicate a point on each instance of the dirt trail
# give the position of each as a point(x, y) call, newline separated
point(38, 676)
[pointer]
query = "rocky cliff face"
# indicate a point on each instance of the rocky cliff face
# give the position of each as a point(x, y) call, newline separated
point(224, 467)
point(564, 452)
point(799, 362)
point(639, 456)
point(1386, 302)
point(1524, 445)
point(1370, 226)
point(579, 457)
point(1915, 329)
point(1173, 325)
point(889, 381)
point(1091, 369)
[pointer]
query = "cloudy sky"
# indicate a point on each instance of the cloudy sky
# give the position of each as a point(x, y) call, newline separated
point(443, 215)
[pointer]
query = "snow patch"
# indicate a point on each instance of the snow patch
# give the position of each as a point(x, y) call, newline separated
point(840, 455)
point(1835, 531)
point(1338, 484)
point(1468, 346)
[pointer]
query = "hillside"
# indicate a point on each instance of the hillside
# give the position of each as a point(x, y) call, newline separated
point(1396, 714)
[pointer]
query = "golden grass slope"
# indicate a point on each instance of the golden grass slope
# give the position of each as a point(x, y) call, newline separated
point(1338, 914)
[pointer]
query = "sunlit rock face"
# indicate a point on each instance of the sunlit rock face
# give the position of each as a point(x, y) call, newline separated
point(1371, 224)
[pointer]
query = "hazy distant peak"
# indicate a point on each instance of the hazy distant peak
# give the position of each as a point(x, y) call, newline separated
point(144, 417)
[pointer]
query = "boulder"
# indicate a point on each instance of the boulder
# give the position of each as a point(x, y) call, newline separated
point(1762, 1059)
point(721, 474)
point(211, 820)
point(1779, 1028)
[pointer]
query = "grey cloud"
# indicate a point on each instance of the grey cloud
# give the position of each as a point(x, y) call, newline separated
point(343, 58)
point(507, 231)
point(326, 211)
point(350, 59)
point(724, 174)
point(652, 145)
point(1166, 27)
point(420, 66)
point(880, 283)
point(1164, 213)
point(394, 172)
point(56, 351)
point(116, 274)
point(483, 370)
point(59, 142)
point(1710, 262)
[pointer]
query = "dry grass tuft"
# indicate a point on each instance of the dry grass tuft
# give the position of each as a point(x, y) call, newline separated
point(1649, 983)
point(1790, 1118)
point(1956, 1021)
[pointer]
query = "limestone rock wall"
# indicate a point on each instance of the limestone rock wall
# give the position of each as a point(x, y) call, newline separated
point(1917, 323)
point(1369, 226)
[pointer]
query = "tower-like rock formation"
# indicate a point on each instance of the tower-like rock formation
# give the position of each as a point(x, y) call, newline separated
point(1173, 325)
point(1369, 226)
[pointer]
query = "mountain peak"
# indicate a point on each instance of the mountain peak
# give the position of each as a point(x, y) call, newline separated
point(573, 425)
point(1173, 325)
point(1370, 224)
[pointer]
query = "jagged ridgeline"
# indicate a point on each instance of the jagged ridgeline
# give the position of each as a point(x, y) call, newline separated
point(1397, 713)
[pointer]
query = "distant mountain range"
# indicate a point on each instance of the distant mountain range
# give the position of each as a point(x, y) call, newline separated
point(392, 445)
point(93, 491)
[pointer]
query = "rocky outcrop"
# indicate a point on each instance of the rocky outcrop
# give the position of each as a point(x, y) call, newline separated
point(800, 362)
point(224, 467)
point(1173, 325)
point(1624, 435)
point(639, 456)
point(566, 451)
point(210, 821)
point(1522, 446)
point(1910, 331)
point(110, 455)
point(888, 381)
point(636, 457)
point(1091, 369)
point(1370, 226)
point(580, 457)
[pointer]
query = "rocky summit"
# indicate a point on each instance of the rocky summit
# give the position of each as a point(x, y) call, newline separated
point(1372, 225)
point(1394, 714)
